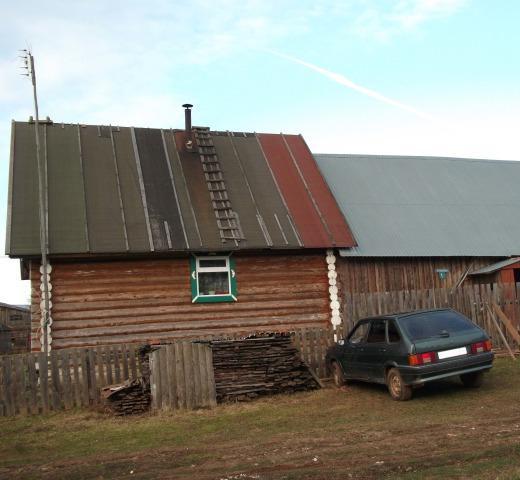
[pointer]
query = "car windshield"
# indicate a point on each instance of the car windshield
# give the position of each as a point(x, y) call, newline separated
point(435, 324)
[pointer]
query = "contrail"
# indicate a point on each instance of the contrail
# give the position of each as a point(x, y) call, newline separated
point(342, 80)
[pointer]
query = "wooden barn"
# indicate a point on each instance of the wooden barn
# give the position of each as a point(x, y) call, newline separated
point(15, 329)
point(426, 222)
point(159, 234)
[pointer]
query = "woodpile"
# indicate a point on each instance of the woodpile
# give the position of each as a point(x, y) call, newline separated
point(130, 398)
point(253, 367)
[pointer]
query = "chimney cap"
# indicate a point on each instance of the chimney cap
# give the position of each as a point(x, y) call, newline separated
point(187, 105)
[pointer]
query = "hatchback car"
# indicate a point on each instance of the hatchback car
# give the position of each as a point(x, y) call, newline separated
point(407, 350)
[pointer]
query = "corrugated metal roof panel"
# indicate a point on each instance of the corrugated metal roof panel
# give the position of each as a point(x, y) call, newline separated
point(118, 190)
point(426, 206)
point(332, 218)
point(67, 220)
point(495, 267)
point(301, 208)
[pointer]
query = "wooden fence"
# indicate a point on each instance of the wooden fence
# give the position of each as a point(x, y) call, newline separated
point(478, 302)
point(32, 384)
point(181, 376)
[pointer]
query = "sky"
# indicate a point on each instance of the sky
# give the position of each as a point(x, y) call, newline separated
point(407, 77)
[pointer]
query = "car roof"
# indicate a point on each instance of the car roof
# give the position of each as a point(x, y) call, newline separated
point(405, 314)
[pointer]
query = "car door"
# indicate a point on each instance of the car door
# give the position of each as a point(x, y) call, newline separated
point(352, 349)
point(372, 357)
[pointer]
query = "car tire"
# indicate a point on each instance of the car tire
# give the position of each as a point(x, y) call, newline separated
point(472, 380)
point(337, 374)
point(396, 387)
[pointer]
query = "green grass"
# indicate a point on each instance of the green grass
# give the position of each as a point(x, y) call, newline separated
point(361, 423)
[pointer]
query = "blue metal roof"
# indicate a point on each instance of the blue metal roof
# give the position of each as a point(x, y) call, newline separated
point(426, 206)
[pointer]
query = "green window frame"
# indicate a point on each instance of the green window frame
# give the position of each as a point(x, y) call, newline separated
point(203, 267)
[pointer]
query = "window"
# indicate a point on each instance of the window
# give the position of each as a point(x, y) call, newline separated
point(393, 334)
point(377, 332)
point(359, 334)
point(213, 279)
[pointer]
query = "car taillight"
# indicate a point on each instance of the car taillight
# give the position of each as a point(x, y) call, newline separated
point(481, 347)
point(422, 358)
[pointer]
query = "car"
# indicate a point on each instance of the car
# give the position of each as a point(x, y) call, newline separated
point(404, 351)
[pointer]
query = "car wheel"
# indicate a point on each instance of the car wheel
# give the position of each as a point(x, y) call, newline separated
point(397, 388)
point(472, 380)
point(337, 375)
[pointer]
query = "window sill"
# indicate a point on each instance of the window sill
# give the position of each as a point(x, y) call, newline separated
point(214, 299)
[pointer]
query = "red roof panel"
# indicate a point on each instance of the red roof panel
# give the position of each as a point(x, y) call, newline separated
point(331, 215)
point(309, 224)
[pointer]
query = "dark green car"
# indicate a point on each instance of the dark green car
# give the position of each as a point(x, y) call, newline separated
point(407, 350)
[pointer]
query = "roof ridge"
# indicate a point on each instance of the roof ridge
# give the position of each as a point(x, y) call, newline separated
point(415, 157)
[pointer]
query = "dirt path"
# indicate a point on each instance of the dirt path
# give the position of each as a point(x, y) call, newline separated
point(364, 454)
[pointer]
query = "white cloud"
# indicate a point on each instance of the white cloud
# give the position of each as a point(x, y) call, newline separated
point(386, 19)
point(342, 80)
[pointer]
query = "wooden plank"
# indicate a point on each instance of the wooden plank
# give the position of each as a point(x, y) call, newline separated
point(497, 326)
point(507, 323)
point(75, 359)
point(33, 384)
point(91, 373)
point(100, 366)
point(203, 375)
point(8, 385)
point(161, 380)
point(43, 367)
point(85, 378)
point(179, 374)
point(108, 362)
point(170, 375)
point(132, 361)
point(154, 373)
point(188, 374)
point(197, 385)
point(55, 387)
point(124, 355)
point(117, 353)
point(67, 394)
point(211, 377)
point(17, 388)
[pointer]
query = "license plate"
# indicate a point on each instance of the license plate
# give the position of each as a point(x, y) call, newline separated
point(456, 352)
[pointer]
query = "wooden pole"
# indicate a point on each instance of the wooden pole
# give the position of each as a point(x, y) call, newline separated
point(42, 187)
point(497, 326)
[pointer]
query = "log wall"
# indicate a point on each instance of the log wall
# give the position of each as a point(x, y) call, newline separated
point(367, 275)
point(150, 300)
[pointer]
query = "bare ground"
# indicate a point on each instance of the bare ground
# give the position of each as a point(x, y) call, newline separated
point(446, 432)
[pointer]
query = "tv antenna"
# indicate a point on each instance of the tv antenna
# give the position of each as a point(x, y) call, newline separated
point(28, 65)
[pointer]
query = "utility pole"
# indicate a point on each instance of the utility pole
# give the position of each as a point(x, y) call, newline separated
point(42, 182)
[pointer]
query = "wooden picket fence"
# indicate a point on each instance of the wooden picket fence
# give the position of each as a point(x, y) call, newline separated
point(32, 383)
point(313, 343)
point(181, 376)
point(478, 302)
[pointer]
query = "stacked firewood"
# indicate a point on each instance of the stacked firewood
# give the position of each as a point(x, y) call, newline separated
point(132, 397)
point(246, 369)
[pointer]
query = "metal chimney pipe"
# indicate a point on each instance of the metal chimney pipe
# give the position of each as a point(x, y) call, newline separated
point(187, 117)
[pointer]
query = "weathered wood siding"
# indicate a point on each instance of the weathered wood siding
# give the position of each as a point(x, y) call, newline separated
point(14, 337)
point(365, 275)
point(150, 300)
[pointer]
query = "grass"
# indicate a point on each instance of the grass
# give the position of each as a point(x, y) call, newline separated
point(446, 431)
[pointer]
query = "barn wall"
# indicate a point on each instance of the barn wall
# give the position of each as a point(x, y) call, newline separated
point(360, 275)
point(15, 335)
point(150, 300)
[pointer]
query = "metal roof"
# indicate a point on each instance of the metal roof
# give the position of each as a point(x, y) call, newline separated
point(426, 206)
point(24, 308)
point(494, 267)
point(118, 189)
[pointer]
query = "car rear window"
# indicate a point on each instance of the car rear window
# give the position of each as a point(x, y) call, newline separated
point(434, 324)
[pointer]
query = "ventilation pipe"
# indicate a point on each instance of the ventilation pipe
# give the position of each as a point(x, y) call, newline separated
point(187, 126)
